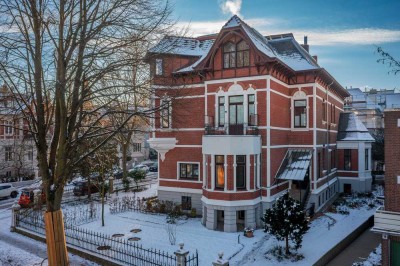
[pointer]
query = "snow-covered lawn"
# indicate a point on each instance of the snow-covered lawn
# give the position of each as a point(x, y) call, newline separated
point(324, 233)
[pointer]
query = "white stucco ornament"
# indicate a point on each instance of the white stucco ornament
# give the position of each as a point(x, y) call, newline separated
point(162, 145)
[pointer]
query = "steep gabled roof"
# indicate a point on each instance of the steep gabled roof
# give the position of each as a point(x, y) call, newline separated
point(352, 129)
point(282, 47)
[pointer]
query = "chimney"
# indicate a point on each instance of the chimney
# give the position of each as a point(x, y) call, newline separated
point(305, 45)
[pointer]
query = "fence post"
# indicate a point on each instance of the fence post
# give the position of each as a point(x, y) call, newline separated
point(111, 184)
point(220, 261)
point(181, 255)
point(15, 208)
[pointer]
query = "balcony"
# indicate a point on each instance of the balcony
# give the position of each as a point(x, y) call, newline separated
point(239, 139)
point(386, 222)
point(250, 128)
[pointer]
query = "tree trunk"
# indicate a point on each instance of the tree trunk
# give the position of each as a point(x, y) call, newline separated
point(287, 245)
point(102, 204)
point(55, 239)
point(124, 148)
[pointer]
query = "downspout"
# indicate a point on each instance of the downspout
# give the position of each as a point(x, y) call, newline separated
point(328, 128)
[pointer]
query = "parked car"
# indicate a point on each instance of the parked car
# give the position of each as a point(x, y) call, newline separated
point(82, 188)
point(153, 167)
point(118, 175)
point(27, 197)
point(7, 190)
point(140, 167)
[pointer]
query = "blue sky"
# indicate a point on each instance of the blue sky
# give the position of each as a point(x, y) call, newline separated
point(344, 34)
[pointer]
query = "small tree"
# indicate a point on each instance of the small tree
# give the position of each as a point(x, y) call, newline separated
point(137, 175)
point(286, 220)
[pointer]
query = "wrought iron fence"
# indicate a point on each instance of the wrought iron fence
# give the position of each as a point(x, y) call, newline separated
point(114, 248)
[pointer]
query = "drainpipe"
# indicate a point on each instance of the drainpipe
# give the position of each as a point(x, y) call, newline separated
point(328, 127)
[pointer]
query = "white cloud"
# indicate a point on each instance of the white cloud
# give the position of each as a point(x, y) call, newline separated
point(363, 36)
point(230, 6)
point(357, 36)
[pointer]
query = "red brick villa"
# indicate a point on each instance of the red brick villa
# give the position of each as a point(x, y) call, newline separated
point(244, 118)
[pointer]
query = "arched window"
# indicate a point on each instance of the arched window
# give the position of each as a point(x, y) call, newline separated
point(242, 55)
point(229, 55)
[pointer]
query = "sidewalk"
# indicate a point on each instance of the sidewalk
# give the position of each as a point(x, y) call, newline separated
point(360, 248)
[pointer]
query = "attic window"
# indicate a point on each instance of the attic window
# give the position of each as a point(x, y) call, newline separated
point(243, 58)
point(159, 66)
point(229, 55)
point(236, 55)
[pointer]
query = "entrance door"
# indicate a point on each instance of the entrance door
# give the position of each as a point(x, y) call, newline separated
point(395, 253)
point(220, 220)
point(236, 115)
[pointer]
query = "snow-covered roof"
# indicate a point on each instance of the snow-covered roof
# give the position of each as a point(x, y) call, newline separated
point(284, 48)
point(289, 51)
point(182, 46)
point(352, 129)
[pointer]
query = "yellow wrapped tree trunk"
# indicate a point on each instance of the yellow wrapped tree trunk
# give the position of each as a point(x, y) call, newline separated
point(55, 239)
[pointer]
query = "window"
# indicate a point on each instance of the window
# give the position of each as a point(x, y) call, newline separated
point(219, 171)
point(366, 159)
point(333, 159)
point(159, 67)
point(221, 111)
point(236, 111)
point(300, 113)
point(186, 203)
point(324, 110)
point(347, 159)
point(333, 113)
point(229, 55)
point(8, 153)
point(251, 110)
point(236, 55)
point(30, 154)
point(137, 147)
point(240, 171)
point(319, 165)
point(241, 215)
point(243, 54)
point(8, 174)
point(165, 113)
point(188, 170)
point(8, 127)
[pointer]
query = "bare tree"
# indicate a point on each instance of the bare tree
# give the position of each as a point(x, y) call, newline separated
point(54, 57)
point(387, 59)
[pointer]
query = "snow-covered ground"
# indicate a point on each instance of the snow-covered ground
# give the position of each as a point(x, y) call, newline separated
point(325, 232)
point(374, 258)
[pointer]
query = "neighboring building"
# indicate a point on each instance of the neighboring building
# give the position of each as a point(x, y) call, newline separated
point(354, 144)
point(369, 106)
point(387, 219)
point(244, 118)
point(17, 149)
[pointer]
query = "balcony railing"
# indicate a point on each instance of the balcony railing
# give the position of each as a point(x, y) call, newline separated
point(386, 222)
point(250, 128)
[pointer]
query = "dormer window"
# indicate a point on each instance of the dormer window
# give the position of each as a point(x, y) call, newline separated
point(236, 55)
point(229, 55)
point(243, 55)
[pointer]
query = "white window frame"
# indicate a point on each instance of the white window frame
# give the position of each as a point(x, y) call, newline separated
point(178, 171)
point(299, 95)
point(235, 90)
point(8, 128)
point(159, 63)
point(169, 110)
point(8, 156)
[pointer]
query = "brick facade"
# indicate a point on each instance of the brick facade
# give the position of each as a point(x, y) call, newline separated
point(209, 87)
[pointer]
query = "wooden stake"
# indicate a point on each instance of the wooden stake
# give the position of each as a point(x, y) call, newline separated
point(55, 239)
